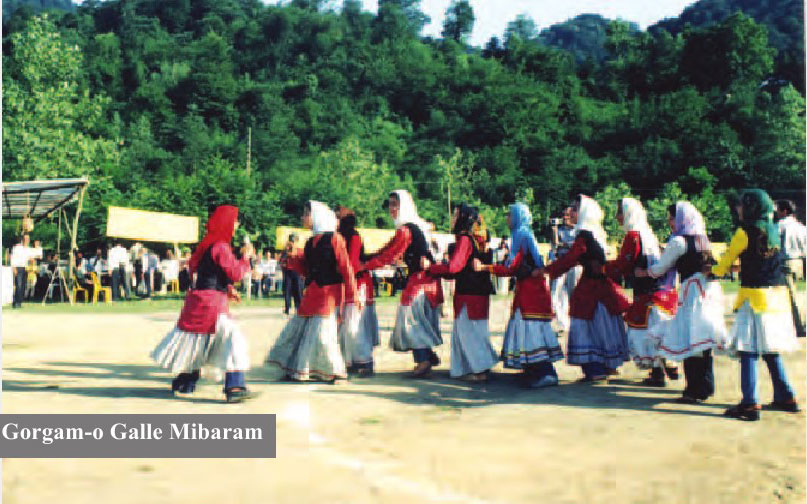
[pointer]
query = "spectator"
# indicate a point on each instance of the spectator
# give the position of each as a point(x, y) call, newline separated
point(268, 267)
point(19, 260)
point(118, 259)
point(96, 263)
point(155, 275)
point(184, 273)
point(793, 235)
point(170, 269)
point(292, 283)
point(793, 238)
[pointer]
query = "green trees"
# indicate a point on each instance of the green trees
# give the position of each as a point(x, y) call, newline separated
point(158, 103)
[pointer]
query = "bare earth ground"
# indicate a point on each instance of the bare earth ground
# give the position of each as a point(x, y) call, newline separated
point(391, 439)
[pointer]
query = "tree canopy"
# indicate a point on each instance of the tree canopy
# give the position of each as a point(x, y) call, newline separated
point(165, 103)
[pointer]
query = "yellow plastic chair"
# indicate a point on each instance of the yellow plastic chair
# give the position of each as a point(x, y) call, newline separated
point(173, 285)
point(77, 289)
point(98, 289)
point(386, 287)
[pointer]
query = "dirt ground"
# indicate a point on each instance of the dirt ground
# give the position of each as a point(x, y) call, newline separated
point(390, 439)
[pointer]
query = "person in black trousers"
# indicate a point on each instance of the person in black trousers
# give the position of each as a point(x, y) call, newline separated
point(292, 283)
point(19, 259)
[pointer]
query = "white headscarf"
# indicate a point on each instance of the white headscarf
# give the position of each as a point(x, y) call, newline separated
point(323, 220)
point(408, 212)
point(635, 219)
point(589, 218)
point(688, 220)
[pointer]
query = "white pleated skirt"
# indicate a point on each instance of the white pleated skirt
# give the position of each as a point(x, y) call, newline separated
point(602, 339)
point(762, 333)
point(562, 288)
point(698, 324)
point(529, 341)
point(358, 334)
point(471, 351)
point(644, 349)
point(308, 349)
point(185, 352)
point(417, 326)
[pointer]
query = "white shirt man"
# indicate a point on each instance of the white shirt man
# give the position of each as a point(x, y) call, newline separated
point(794, 237)
point(20, 254)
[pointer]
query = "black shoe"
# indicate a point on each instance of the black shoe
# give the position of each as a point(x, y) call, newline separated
point(787, 406)
point(238, 394)
point(747, 412)
point(185, 383)
point(651, 381)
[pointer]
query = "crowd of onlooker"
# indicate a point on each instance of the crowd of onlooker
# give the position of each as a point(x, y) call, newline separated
point(138, 271)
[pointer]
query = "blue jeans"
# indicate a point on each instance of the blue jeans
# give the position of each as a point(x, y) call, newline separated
point(782, 391)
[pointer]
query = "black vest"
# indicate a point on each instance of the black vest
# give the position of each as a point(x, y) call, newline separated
point(320, 260)
point(760, 266)
point(692, 261)
point(470, 282)
point(593, 259)
point(416, 250)
point(209, 275)
point(643, 285)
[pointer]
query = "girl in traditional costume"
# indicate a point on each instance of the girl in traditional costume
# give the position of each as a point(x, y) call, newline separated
point(472, 355)
point(597, 339)
point(698, 326)
point(358, 330)
point(530, 343)
point(763, 325)
point(206, 333)
point(308, 347)
point(653, 299)
point(417, 323)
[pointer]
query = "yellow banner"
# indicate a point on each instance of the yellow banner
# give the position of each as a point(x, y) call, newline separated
point(142, 225)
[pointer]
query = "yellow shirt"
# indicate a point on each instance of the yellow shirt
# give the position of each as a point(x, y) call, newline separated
point(762, 300)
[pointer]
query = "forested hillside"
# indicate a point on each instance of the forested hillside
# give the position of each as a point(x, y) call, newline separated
point(158, 101)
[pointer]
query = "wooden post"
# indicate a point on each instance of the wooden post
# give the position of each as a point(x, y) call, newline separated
point(73, 241)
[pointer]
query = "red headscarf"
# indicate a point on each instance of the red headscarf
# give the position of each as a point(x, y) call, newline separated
point(220, 228)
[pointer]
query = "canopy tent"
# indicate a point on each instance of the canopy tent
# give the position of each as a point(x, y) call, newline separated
point(37, 199)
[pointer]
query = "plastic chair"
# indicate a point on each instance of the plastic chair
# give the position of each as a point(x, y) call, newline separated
point(386, 287)
point(77, 289)
point(98, 289)
point(173, 285)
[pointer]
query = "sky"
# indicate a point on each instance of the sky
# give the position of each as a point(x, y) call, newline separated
point(492, 16)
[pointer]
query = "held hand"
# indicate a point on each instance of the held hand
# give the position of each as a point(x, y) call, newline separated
point(537, 272)
point(424, 263)
point(640, 273)
point(233, 295)
point(478, 266)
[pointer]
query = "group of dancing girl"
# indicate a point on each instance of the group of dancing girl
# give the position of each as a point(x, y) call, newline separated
point(676, 313)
